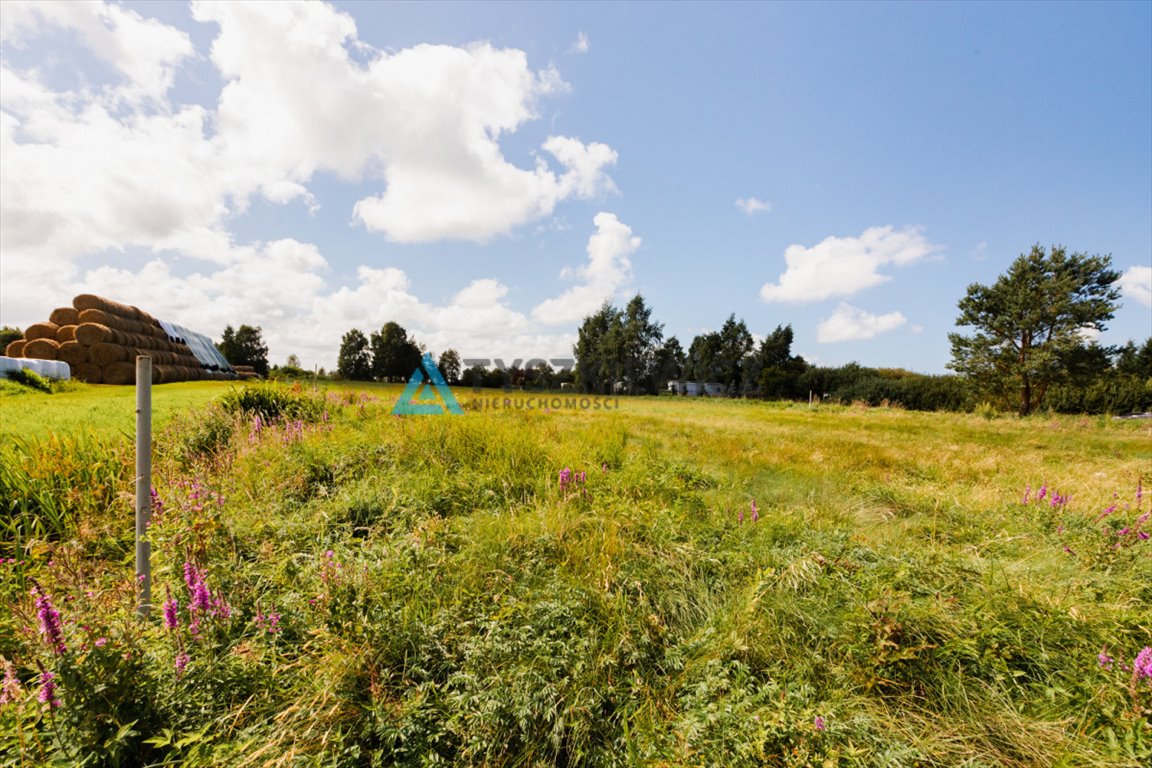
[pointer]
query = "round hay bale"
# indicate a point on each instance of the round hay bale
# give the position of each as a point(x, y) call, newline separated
point(106, 354)
point(101, 317)
point(42, 349)
point(119, 373)
point(65, 316)
point(73, 352)
point(66, 333)
point(15, 348)
point(88, 372)
point(89, 301)
point(41, 331)
point(93, 333)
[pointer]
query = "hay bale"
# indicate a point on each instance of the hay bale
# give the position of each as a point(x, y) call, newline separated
point(65, 316)
point(105, 354)
point(88, 372)
point(100, 317)
point(73, 352)
point(94, 333)
point(89, 301)
point(15, 348)
point(42, 349)
point(41, 331)
point(119, 373)
point(66, 333)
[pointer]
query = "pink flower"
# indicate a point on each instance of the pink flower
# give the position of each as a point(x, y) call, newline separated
point(171, 612)
point(50, 625)
point(819, 724)
point(755, 511)
point(48, 690)
point(1142, 666)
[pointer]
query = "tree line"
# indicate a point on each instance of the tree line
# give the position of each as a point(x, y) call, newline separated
point(1029, 345)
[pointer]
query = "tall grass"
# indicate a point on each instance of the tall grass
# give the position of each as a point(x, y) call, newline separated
point(709, 583)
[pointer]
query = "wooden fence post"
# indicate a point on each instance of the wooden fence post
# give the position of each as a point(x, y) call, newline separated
point(143, 483)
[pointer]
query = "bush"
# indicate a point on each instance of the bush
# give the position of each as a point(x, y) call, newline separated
point(29, 378)
point(272, 401)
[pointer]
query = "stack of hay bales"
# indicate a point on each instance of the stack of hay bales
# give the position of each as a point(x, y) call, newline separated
point(100, 340)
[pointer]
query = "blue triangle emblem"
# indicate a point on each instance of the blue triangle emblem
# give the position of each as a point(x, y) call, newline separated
point(426, 380)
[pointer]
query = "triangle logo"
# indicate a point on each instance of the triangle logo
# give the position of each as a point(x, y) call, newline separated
point(425, 391)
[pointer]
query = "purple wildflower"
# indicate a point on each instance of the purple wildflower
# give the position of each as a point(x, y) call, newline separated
point(819, 724)
point(1106, 512)
point(171, 612)
point(1143, 535)
point(755, 511)
point(48, 689)
point(1027, 493)
point(50, 625)
point(1142, 666)
point(1139, 490)
point(1043, 492)
point(270, 622)
point(740, 517)
point(181, 662)
point(1104, 660)
point(10, 690)
point(101, 642)
point(565, 479)
point(200, 599)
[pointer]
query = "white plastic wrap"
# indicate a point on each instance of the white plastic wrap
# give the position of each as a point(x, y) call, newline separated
point(49, 369)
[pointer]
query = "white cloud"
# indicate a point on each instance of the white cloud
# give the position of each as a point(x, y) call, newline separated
point(842, 266)
point(580, 45)
point(87, 172)
point(97, 173)
point(146, 52)
point(280, 287)
point(428, 119)
point(607, 270)
point(752, 205)
point(1136, 283)
point(848, 323)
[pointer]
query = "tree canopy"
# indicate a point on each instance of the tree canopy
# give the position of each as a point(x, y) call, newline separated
point(449, 365)
point(394, 355)
point(1029, 326)
point(245, 346)
point(616, 345)
point(354, 362)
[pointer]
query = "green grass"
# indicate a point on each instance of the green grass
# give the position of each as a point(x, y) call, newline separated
point(99, 409)
point(442, 599)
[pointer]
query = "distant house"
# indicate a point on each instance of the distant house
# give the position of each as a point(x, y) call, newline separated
point(696, 389)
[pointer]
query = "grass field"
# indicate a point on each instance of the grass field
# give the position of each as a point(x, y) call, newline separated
point(673, 582)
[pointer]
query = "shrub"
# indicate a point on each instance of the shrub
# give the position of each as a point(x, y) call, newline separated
point(273, 402)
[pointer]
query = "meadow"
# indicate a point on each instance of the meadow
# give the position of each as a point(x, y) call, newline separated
point(674, 582)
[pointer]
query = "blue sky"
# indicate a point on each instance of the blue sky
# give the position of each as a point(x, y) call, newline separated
point(486, 174)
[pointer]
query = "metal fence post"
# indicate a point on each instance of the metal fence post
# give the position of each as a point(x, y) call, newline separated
point(143, 482)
